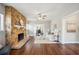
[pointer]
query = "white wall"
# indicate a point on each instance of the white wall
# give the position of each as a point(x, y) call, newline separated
point(58, 22)
point(47, 27)
point(70, 37)
point(77, 34)
point(2, 32)
point(31, 27)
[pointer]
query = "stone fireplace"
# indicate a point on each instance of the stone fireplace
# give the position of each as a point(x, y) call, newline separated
point(15, 27)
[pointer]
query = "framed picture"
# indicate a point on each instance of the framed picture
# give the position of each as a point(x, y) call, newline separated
point(71, 27)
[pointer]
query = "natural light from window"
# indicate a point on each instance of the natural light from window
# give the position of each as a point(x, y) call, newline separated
point(1, 22)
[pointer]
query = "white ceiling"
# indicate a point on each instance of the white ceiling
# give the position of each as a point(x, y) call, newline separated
point(54, 11)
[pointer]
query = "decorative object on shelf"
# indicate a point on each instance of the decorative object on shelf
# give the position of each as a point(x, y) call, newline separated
point(17, 23)
point(21, 22)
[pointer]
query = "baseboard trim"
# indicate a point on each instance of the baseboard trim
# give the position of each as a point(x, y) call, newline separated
point(69, 42)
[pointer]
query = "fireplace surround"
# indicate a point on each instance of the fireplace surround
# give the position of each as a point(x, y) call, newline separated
point(15, 27)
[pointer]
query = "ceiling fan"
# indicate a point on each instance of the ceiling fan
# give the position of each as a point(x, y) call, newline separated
point(41, 16)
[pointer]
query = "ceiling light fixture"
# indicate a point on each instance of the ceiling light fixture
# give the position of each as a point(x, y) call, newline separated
point(41, 16)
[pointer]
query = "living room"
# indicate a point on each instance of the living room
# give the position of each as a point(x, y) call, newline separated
point(50, 28)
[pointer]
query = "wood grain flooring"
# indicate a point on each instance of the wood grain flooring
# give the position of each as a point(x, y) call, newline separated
point(47, 49)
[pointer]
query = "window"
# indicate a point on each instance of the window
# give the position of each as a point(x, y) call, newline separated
point(1, 22)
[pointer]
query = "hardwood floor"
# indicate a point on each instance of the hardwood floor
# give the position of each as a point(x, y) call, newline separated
point(47, 49)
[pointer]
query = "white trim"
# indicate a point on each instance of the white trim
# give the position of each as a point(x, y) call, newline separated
point(69, 42)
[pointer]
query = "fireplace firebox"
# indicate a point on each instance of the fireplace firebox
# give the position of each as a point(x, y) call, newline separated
point(20, 36)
